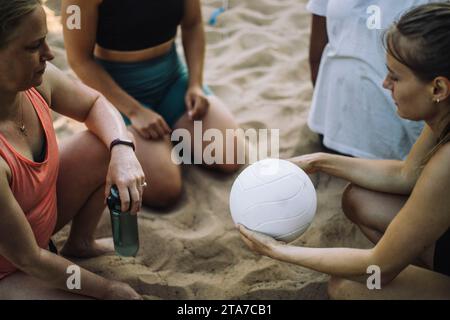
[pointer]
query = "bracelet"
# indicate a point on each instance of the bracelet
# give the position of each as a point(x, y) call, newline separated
point(123, 142)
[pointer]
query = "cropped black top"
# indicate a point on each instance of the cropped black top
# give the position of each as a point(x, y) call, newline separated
point(128, 25)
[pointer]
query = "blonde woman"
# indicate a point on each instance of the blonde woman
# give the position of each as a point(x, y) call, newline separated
point(44, 186)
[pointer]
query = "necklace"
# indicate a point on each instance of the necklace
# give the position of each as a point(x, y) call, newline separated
point(22, 128)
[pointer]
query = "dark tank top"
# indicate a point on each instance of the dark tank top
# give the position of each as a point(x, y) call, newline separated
point(129, 25)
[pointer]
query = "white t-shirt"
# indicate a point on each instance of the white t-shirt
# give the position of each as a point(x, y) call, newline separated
point(350, 107)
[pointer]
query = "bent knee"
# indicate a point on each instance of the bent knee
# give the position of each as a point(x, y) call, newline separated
point(350, 202)
point(228, 168)
point(163, 194)
point(88, 145)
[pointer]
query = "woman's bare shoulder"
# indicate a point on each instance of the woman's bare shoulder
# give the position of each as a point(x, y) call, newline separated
point(440, 162)
point(51, 76)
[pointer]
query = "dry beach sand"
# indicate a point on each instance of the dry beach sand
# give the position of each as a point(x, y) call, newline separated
point(257, 62)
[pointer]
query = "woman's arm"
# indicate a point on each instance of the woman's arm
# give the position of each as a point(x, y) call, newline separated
point(418, 225)
point(318, 42)
point(18, 245)
point(391, 176)
point(342, 262)
point(193, 37)
point(78, 101)
point(80, 46)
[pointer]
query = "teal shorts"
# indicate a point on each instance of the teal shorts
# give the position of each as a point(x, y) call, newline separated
point(159, 84)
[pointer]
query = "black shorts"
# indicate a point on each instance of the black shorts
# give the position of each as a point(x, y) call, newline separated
point(442, 254)
point(52, 247)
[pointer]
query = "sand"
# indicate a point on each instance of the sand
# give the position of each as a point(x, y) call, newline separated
point(257, 62)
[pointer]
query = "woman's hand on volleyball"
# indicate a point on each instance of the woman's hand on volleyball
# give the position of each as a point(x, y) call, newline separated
point(308, 162)
point(149, 124)
point(197, 103)
point(126, 173)
point(259, 242)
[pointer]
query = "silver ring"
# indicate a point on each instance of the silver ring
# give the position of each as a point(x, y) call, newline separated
point(144, 185)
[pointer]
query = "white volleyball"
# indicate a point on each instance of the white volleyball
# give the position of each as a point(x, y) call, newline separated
point(274, 197)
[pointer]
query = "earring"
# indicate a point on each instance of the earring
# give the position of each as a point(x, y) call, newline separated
point(437, 101)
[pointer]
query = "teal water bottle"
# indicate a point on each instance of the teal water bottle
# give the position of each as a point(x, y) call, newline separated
point(124, 227)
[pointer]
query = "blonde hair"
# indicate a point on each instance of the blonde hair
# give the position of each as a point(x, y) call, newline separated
point(11, 14)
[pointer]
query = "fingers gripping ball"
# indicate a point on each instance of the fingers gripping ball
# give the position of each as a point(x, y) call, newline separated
point(274, 197)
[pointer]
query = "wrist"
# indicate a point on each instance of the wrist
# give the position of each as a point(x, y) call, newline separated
point(320, 161)
point(276, 251)
point(133, 111)
point(119, 145)
point(195, 84)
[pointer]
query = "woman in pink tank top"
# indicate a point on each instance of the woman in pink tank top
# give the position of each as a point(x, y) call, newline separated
point(44, 186)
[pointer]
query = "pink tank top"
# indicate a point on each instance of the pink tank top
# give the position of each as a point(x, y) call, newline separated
point(34, 184)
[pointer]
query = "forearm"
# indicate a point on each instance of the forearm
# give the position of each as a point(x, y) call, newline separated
point(93, 75)
point(346, 263)
point(106, 122)
point(53, 270)
point(194, 48)
point(377, 175)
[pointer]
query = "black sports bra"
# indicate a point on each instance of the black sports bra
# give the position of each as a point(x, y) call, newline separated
point(128, 25)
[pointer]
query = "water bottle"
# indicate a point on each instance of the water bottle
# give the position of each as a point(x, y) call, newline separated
point(124, 227)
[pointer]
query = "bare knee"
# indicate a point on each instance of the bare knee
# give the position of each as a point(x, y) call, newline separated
point(96, 146)
point(350, 201)
point(228, 168)
point(88, 149)
point(163, 193)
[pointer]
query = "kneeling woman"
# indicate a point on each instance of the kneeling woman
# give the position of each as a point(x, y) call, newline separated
point(126, 50)
point(403, 207)
point(43, 188)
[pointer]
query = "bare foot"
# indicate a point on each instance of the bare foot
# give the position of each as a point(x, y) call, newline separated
point(88, 250)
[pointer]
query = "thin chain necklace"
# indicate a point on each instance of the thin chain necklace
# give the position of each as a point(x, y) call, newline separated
point(22, 128)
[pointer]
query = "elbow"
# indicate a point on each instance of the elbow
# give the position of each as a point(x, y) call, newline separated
point(382, 271)
point(90, 115)
point(388, 274)
point(403, 176)
point(408, 181)
point(387, 277)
